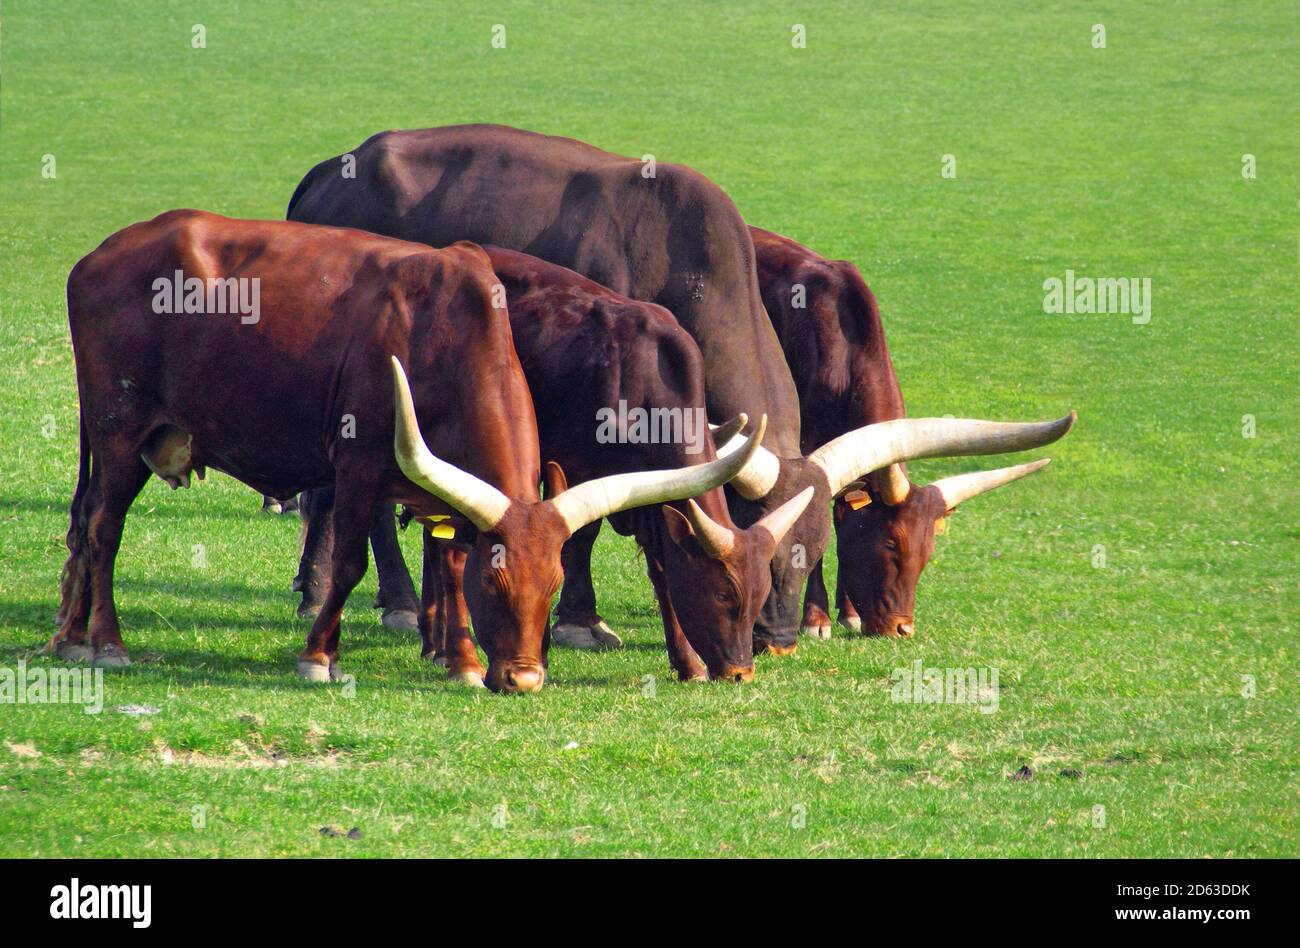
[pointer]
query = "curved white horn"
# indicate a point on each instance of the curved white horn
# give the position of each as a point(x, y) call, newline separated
point(756, 478)
point(478, 500)
point(893, 485)
point(780, 520)
point(851, 455)
point(716, 539)
point(591, 500)
point(965, 486)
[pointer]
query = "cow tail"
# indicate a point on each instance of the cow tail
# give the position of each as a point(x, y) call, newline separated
point(75, 578)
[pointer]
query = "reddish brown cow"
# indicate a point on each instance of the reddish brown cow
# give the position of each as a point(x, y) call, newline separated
point(830, 330)
point(297, 391)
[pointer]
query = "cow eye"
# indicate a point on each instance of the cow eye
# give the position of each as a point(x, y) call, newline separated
point(891, 544)
point(721, 597)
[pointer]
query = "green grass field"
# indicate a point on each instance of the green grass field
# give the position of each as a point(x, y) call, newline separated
point(1124, 686)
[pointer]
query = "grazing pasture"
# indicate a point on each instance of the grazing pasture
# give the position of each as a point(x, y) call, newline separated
point(1137, 600)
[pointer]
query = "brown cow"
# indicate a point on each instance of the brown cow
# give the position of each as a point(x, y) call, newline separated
point(177, 372)
point(830, 330)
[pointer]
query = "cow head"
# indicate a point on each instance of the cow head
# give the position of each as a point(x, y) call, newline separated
point(513, 568)
point(718, 574)
point(884, 535)
point(885, 527)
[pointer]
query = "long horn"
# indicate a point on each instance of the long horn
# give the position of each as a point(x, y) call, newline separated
point(893, 485)
point(851, 455)
point(756, 478)
point(780, 520)
point(591, 500)
point(965, 486)
point(716, 539)
point(478, 500)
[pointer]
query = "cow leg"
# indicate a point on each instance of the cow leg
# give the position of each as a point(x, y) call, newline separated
point(119, 476)
point(316, 508)
point(816, 619)
point(353, 512)
point(577, 624)
point(70, 643)
point(849, 617)
point(681, 656)
point(462, 657)
point(431, 630)
point(396, 594)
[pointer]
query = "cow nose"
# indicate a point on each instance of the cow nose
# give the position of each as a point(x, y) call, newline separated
point(734, 673)
point(905, 630)
point(516, 679)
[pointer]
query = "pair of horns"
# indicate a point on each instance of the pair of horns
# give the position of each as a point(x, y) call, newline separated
point(882, 447)
point(485, 506)
point(718, 541)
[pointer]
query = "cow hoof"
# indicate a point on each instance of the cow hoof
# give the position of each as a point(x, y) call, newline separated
point(273, 507)
point(111, 656)
point(822, 632)
point(598, 637)
point(73, 652)
point(307, 611)
point(470, 679)
point(853, 623)
point(400, 619)
point(309, 670)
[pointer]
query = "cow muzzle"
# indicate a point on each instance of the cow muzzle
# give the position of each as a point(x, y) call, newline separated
point(515, 678)
point(897, 627)
point(736, 673)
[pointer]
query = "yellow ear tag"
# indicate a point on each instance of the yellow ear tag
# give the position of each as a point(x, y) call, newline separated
point(443, 531)
point(941, 526)
point(857, 499)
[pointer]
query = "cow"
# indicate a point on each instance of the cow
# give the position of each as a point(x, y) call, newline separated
point(829, 325)
point(309, 387)
point(652, 231)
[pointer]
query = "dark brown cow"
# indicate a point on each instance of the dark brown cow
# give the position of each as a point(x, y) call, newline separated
point(591, 353)
point(656, 232)
point(297, 391)
point(830, 329)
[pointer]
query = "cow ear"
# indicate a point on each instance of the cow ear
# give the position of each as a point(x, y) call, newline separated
point(679, 528)
point(453, 527)
point(555, 481)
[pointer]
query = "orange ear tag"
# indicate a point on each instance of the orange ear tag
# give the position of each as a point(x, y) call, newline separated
point(941, 526)
point(857, 499)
